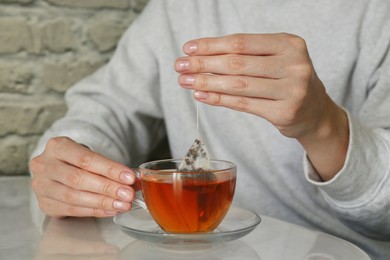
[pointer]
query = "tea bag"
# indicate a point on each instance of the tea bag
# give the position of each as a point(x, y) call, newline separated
point(197, 163)
point(197, 158)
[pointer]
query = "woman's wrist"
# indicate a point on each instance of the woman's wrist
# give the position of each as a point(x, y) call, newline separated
point(327, 145)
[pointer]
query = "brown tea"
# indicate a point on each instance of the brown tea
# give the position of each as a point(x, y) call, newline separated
point(185, 204)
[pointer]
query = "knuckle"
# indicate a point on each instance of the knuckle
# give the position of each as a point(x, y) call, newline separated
point(71, 197)
point(112, 171)
point(240, 85)
point(203, 82)
point(85, 159)
point(52, 142)
point(55, 142)
point(200, 65)
point(217, 99)
point(242, 104)
point(102, 203)
point(107, 189)
point(55, 145)
point(238, 42)
point(74, 178)
point(236, 63)
point(303, 71)
point(296, 42)
point(34, 165)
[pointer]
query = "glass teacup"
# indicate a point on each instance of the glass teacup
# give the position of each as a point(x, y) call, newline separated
point(183, 201)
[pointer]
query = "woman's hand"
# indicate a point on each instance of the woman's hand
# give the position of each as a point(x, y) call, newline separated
point(272, 76)
point(71, 180)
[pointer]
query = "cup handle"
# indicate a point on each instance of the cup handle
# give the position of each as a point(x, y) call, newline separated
point(139, 199)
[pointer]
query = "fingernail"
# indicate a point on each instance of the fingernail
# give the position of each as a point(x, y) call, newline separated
point(124, 194)
point(191, 47)
point(120, 205)
point(187, 80)
point(127, 177)
point(201, 95)
point(182, 65)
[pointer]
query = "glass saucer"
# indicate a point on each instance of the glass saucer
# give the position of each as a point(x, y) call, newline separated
point(138, 224)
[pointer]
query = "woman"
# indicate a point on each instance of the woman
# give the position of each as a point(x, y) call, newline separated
point(320, 91)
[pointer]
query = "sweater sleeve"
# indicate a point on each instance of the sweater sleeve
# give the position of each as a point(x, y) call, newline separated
point(360, 193)
point(117, 110)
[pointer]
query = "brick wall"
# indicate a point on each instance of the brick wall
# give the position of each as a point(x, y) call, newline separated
point(45, 47)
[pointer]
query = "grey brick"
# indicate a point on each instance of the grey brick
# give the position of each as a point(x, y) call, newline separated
point(14, 154)
point(14, 35)
point(16, 1)
point(57, 36)
point(26, 116)
point(15, 78)
point(106, 34)
point(118, 4)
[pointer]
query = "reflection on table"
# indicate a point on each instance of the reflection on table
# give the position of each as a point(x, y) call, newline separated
point(89, 238)
point(230, 250)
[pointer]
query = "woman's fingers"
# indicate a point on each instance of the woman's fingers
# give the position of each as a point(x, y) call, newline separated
point(56, 208)
point(66, 150)
point(61, 200)
point(256, 106)
point(233, 64)
point(275, 89)
point(269, 75)
point(259, 55)
point(251, 44)
point(72, 180)
point(81, 180)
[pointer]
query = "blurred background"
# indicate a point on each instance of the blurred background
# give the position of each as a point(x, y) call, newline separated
point(45, 47)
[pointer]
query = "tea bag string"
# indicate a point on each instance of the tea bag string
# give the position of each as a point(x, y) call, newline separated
point(197, 119)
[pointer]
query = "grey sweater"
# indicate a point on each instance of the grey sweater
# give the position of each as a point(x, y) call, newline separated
point(127, 107)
